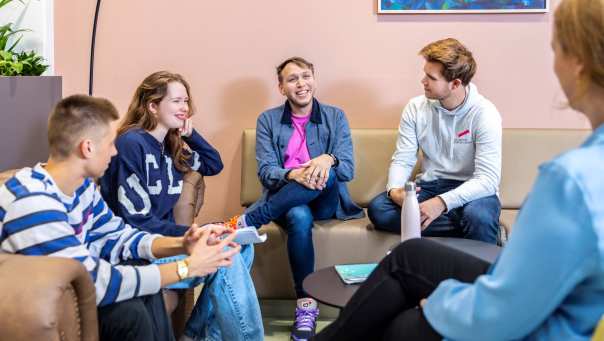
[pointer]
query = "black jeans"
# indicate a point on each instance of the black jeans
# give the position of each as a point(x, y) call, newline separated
point(386, 306)
point(138, 319)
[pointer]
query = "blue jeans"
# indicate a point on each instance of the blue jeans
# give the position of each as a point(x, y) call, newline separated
point(295, 207)
point(478, 219)
point(228, 307)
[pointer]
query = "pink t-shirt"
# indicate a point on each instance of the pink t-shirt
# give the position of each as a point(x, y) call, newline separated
point(297, 151)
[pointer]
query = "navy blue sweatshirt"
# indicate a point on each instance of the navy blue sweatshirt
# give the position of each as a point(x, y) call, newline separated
point(142, 184)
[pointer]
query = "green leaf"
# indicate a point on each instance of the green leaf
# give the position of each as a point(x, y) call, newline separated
point(24, 63)
point(6, 55)
point(6, 2)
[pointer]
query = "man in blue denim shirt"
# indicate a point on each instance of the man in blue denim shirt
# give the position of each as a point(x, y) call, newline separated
point(304, 155)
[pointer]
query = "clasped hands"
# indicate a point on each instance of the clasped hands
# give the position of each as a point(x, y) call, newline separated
point(314, 173)
point(209, 247)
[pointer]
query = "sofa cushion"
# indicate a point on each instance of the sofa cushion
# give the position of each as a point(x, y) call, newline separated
point(507, 219)
point(373, 150)
point(523, 151)
point(250, 185)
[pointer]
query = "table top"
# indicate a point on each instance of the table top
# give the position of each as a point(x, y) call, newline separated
point(328, 288)
point(485, 251)
point(325, 285)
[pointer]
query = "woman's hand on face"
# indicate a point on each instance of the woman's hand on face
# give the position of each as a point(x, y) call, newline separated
point(187, 128)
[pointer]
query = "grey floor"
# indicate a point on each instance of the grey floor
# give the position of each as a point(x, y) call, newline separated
point(278, 317)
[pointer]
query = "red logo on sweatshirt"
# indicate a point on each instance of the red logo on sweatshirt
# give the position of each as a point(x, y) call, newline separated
point(463, 133)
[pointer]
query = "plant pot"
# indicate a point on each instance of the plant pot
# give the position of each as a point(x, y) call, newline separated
point(25, 103)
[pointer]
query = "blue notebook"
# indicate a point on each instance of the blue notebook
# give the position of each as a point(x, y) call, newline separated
point(354, 273)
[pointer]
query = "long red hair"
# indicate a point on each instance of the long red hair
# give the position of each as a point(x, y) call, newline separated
point(152, 90)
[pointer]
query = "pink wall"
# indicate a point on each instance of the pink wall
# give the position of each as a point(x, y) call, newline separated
point(366, 64)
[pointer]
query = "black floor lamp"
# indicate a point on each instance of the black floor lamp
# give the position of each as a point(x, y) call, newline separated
point(91, 74)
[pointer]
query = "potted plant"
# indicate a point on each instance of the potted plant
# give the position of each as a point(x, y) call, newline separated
point(26, 98)
point(23, 63)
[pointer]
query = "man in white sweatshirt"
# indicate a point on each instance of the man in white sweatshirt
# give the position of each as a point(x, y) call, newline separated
point(459, 134)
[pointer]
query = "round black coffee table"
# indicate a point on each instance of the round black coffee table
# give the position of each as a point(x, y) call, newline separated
point(325, 285)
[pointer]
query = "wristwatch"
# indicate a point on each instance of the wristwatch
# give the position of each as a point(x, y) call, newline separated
point(336, 162)
point(182, 269)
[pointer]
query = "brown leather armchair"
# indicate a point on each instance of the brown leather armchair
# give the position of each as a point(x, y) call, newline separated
point(49, 298)
point(46, 298)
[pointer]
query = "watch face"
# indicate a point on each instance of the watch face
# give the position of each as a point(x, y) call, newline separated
point(183, 269)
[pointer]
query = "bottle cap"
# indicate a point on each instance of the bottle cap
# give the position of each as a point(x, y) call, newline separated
point(410, 186)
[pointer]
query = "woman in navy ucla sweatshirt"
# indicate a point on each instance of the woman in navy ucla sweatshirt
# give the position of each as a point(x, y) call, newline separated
point(156, 146)
point(144, 181)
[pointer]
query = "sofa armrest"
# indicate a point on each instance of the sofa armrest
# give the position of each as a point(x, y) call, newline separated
point(191, 199)
point(46, 298)
point(185, 210)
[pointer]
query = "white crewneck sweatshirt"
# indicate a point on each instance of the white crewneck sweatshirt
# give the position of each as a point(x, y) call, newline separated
point(462, 144)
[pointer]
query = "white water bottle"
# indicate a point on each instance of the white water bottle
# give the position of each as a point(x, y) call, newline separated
point(410, 223)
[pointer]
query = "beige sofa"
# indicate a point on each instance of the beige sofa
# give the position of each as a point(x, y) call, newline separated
point(355, 240)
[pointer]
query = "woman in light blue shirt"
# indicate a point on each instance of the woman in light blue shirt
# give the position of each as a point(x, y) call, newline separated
point(548, 283)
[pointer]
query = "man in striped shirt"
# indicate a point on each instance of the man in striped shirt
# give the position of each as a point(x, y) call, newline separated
point(55, 209)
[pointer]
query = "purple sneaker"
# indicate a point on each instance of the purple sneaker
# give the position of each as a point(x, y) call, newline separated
point(306, 320)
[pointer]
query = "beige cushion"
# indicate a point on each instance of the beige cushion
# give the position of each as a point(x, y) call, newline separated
point(250, 185)
point(373, 150)
point(271, 272)
point(523, 151)
point(507, 219)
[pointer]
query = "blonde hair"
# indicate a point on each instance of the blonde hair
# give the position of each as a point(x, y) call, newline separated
point(152, 90)
point(456, 59)
point(579, 30)
point(301, 62)
point(74, 116)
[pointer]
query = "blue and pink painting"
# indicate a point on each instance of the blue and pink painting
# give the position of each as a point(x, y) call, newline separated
point(461, 6)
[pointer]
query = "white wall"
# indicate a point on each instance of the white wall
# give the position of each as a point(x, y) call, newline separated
point(36, 15)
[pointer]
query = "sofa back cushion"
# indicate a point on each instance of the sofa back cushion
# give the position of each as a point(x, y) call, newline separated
point(523, 151)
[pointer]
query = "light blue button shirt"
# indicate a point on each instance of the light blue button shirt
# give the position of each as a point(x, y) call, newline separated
point(548, 283)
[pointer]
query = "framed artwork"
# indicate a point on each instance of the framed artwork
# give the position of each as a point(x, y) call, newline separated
point(462, 6)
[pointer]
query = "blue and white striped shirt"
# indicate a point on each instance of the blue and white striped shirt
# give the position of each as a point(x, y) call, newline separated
point(37, 219)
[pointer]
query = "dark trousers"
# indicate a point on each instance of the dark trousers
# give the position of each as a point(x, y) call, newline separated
point(478, 219)
point(139, 319)
point(386, 306)
point(295, 207)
